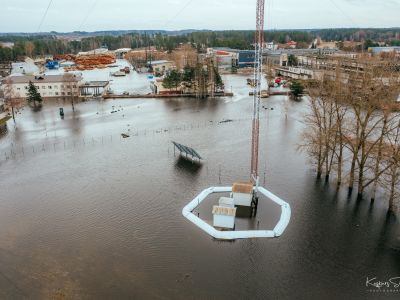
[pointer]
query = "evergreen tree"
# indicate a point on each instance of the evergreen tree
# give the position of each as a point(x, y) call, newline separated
point(188, 74)
point(172, 80)
point(296, 89)
point(33, 94)
point(292, 60)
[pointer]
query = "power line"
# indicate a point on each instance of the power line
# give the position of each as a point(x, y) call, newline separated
point(87, 15)
point(344, 13)
point(179, 12)
point(44, 16)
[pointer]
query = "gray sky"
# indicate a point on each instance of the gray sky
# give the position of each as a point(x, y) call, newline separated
point(92, 15)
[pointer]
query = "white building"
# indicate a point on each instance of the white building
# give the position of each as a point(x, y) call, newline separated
point(271, 46)
point(242, 193)
point(161, 66)
point(49, 86)
point(224, 214)
point(120, 53)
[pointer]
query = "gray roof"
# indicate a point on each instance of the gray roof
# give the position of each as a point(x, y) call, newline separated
point(102, 84)
point(45, 78)
point(156, 62)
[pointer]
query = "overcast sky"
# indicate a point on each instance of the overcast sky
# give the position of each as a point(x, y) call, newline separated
point(92, 15)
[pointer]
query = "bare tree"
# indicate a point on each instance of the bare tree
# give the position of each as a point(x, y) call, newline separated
point(29, 47)
point(10, 97)
point(352, 114)
point(69, 88)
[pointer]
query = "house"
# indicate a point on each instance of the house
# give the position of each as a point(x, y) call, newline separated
point(224, 213)
point(242, 193)
point(161, 66)
point(49, 86)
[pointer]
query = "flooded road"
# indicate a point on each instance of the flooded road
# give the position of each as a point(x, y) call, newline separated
point(86, 214)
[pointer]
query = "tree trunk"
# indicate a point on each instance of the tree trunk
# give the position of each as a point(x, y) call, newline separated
point(392, 191)
point(340, 162)
point(378, 158)
point(352, 172)
point(13, 114)
point(360, 181)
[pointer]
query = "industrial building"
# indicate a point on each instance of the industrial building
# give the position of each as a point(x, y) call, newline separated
point(237, 58)
point(49, 86)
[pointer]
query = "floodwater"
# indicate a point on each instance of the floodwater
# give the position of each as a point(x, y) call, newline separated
point(85, 214)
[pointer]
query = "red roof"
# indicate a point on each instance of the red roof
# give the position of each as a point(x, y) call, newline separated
point(292, 43)
point(221, 53)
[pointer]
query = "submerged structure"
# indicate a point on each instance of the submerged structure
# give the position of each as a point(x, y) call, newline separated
point(243, 193)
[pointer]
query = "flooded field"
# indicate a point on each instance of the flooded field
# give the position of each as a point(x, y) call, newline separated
point(87, 214)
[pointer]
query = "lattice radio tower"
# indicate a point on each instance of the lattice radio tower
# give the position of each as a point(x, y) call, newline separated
point(258, 45)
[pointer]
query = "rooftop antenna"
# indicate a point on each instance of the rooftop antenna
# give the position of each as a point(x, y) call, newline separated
point(258, 51)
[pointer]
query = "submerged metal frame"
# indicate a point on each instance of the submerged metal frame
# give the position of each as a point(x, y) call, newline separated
point(279, 228)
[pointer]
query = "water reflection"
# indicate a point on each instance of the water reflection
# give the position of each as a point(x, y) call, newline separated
point(116, 230)
point(188, 166)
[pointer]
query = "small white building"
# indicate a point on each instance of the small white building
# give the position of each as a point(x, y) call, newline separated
point(271, 46)
point(158, 88)
point(49, 86)
point(120, 53)
point(161, 66)
point(224, 213)
point(242, 193)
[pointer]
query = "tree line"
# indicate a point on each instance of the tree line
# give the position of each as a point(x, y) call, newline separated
point(39, 45)
point(353, 128)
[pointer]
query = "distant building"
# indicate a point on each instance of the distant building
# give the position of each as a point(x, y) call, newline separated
point(298, 73)
point(378, 50)
point(246, 58)
point(161, 66)
point(271, 46)
point(49, 86)
point(6, 44)
point(292, 44)
point(157, 87)
point(101, 50)
point(325, 45)
point(120, 53)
